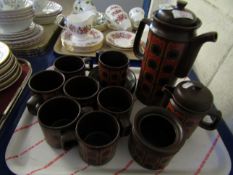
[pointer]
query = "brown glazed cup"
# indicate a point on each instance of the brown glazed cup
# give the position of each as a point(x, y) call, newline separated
point(83, 89)
point(117, 101)
point(113, 66)
point(97, 134)
point(44, 85)
point(57, 118)
point(71, 65)
point(156, 137)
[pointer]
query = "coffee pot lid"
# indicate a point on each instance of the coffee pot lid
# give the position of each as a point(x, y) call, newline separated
point(193, 96)
point(177, 15)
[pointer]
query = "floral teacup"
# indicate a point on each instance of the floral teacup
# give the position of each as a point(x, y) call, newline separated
point(136, 14)
point(78, 24)
point(117, 18)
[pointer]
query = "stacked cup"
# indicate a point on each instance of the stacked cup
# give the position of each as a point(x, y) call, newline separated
point(80, 108)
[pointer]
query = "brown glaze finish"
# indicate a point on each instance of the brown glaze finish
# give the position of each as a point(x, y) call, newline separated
point(171, 49)
point(113, 67)
point(83, 89)
point(117, 101)
point(57, 118)
point(97, 134)
point(44, 85)
point(156, 137)
point(191, 102)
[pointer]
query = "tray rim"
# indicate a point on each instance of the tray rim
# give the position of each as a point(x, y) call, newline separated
point(8, 171)
point(17, 94)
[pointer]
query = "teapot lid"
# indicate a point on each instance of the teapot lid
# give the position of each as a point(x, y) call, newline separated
point(193, 96)
point(177, 15)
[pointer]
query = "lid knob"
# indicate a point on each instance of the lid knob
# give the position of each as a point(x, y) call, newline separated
point(181, 4)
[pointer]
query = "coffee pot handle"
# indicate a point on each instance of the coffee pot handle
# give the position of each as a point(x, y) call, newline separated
point(137, 41)
point(216, 117)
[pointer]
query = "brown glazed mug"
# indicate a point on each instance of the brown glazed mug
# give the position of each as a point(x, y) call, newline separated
point(155, 138)
point(57, 118)
point(191, 102)
point(113, 67)
point(44, 85)
point(83, 89)
point(97, 133)
point(71, 65)
point(117, 101)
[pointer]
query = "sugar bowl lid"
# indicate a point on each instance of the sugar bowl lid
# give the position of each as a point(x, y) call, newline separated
point(177, 15)
point(193, 96)
point(4, 53)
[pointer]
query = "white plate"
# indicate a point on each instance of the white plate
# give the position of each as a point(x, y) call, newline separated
point(27, 42)
point(19, 34)
point(12, 79)
point(121, 39)
point(4, 52)
point(93, 41)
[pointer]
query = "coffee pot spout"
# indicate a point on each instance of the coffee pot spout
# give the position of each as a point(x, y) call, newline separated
point(189, 57)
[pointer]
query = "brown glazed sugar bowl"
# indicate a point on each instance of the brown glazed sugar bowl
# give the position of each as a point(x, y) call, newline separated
point(155, 138)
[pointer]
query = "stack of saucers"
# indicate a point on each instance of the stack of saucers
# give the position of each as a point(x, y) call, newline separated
point(10, 69)
point(17, 29)
point(48, 14)
point(24, 39)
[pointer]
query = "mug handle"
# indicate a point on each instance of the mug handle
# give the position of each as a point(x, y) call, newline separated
point(59, 19)
point(216, 117)
point(68, 140)
point(125, 126)
point(90, 62)
point(137, 41)
point(34, 103)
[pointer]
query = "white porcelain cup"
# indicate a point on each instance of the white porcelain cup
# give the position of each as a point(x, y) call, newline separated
point(136, 14)
point(120, 21)
point(78, 24)
point(83, 5)
point(113, 10)
point(12, 4)
point(39, 5)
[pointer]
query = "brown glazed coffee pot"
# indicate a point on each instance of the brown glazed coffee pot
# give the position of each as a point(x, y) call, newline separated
point(171, 49)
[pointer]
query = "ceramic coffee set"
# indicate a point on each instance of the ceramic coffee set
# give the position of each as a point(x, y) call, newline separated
point(17, 28)
point(10, 68)
point(84, 26)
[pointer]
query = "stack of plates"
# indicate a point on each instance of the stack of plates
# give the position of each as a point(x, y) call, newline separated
point(16, 20)
point(29, 37)
point(10, 69)
point(48, 14)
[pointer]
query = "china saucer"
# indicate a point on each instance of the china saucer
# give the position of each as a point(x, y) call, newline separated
point(121, 39)
point(130, 83)
point(91, 43)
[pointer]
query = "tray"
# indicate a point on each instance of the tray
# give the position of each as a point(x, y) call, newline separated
point(10, 95)
point(28, 153)
point(62, 51)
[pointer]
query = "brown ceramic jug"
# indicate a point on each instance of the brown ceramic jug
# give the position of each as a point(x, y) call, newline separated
point(171, 49)
point(192, 102)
